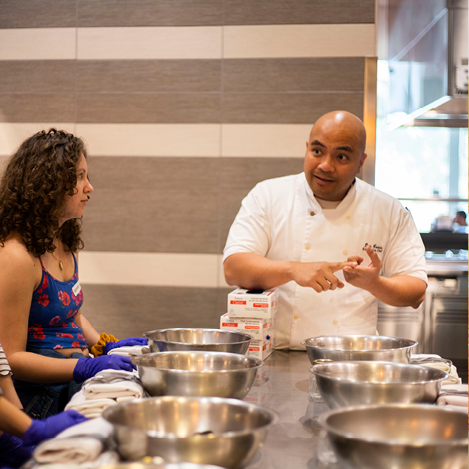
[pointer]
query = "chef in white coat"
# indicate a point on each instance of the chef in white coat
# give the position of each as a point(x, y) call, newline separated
point(332, 244)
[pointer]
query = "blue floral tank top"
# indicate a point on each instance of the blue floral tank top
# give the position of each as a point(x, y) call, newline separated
point(52, 316)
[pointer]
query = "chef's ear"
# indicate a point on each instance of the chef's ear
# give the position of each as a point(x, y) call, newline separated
point(307, 145)
point(362, 160)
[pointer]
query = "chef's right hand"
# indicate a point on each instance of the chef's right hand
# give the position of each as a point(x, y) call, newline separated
point(88, 367)
point(319, 275)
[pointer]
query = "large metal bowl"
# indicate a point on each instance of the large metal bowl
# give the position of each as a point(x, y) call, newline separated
point(359, 347)
point(188, 373)
point(403, 436)
point(201, 430)
point(141, 465)
point(204, 340)
point(373, 382)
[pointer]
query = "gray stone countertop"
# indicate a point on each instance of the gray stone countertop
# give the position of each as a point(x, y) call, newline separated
point(282, 386)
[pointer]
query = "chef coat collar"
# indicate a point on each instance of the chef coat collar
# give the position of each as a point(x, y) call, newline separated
point(344, 202)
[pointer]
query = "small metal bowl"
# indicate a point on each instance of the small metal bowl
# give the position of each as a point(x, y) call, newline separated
point(186, 373)
point(359, 347)
point(202, 430)
point(404, 436)
point(204, 340)
point(373, 382)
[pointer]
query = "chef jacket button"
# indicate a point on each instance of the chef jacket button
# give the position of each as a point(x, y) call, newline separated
point(307, 247)
point(312, 213)
point(347, 217)
point(295, 316)
point(345, 251)
point(335, 322)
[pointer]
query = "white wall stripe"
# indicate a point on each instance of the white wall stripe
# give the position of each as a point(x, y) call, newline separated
point(198, 42)
point(151, 269)
point(13, 134)
point(38, 44)
point(264, 140)
point(304, 40)
point(203, 42)
point(173, 140)
point(151, 139)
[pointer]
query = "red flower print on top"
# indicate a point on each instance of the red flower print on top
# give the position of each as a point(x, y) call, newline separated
point(77, 299)
point(64, 298)
point(57, 346)
point(39, 333)
point(74, 325)
point(80, 336)
point(45, 284)
point(72, 312)
point(54, 321)
point(76, 344)
point(43, 300)
point(61, 334)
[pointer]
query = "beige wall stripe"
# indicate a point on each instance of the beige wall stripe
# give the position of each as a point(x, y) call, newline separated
point(38, 44)
point(315, 40)
point(151, 269)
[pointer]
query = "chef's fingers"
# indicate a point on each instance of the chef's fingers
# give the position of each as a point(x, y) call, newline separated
point(335, 266)
point(323, 284)
point(356, 259)
point(332, 280)
point(375, 260)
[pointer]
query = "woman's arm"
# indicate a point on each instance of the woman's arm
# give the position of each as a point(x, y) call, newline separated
point(19, 275)
point(90, 333)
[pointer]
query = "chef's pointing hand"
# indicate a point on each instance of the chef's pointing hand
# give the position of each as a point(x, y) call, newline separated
point(361, 276)
point(319, 275)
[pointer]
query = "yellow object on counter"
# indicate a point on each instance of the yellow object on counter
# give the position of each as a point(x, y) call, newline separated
point(98, 349)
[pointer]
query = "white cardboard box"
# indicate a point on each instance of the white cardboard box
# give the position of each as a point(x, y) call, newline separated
point(244, 303)
point(258, 329)
point(261, 349)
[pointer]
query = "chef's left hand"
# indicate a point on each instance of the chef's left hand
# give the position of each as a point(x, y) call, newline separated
point(361, 276)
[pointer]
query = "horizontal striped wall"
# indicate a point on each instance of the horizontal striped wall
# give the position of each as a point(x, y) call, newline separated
point(184, 107)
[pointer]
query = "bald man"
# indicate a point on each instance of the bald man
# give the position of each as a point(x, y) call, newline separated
point(332, 244)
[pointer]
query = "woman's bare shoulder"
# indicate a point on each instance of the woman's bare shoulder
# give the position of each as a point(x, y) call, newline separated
point(13, 253)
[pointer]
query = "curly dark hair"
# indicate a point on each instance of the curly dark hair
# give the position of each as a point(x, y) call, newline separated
point(36, 181)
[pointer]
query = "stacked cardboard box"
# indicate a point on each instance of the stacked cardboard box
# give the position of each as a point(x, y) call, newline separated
point(253, 312)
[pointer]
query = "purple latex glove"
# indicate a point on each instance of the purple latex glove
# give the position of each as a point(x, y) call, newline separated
point(13, 451)
point(88, 367)
point(130, 342)
point(43, 429)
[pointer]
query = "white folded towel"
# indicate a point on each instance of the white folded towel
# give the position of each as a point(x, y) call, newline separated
point(90, 408)
point(135, 350)
point(454, 395)
point(435, 361)
point(108, 457)
point(98, 428)
point(64, 450)
point(113, 375)
point(94, 389)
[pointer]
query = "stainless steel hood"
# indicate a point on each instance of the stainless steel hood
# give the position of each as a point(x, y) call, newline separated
point(428, 62)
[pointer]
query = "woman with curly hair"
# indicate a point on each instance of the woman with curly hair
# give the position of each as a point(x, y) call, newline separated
point(43, 195)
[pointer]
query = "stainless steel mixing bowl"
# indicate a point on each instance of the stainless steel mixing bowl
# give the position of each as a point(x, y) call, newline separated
point(188, 373)
point(142, 465)
point(374, 382)
point(215, 340)
point(398, 436)
point(359, 347)
point(201, 430)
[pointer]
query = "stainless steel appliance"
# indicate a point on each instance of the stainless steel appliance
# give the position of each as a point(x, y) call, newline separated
point(440, 323)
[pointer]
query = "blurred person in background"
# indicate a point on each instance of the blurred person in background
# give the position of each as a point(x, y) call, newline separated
point(459, 222)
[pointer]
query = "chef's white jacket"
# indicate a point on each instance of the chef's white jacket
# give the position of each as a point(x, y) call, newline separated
point(280, 219)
